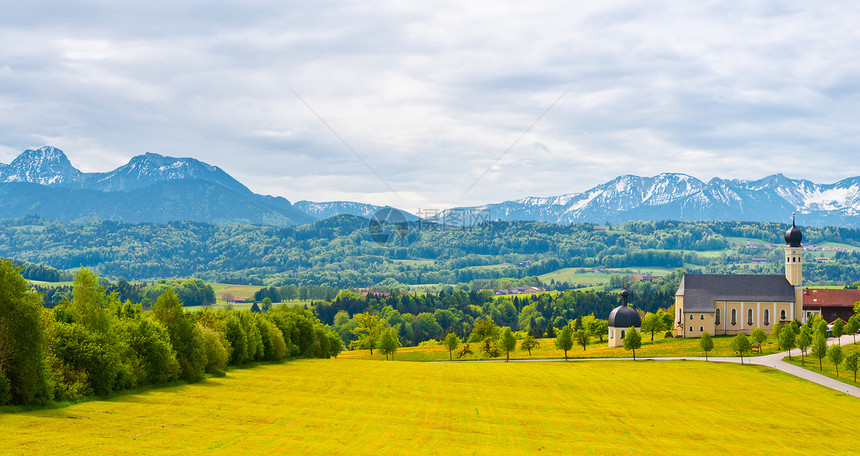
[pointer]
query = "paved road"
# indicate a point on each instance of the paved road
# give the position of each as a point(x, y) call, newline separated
point(775, 361)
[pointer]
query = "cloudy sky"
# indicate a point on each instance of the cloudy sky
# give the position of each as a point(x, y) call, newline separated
point(433, 104)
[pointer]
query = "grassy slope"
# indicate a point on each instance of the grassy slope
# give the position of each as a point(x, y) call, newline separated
point(659, 348)
point(368, 407)
point(810, 362)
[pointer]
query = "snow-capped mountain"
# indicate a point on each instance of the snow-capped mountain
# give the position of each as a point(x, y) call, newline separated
point(683, 197)
point(185, 188)
point(50, 166)
point(329, 208)
point(148, 169)
point(44, 166)
point(150, 188)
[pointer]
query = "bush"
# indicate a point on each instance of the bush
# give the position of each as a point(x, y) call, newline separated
point(668, 335)
point(430, 343)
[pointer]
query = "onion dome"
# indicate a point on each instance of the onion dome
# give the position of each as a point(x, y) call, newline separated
point(793, 236)
point(624, 316)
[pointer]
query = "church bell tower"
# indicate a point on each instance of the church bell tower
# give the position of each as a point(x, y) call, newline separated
point(793, 266)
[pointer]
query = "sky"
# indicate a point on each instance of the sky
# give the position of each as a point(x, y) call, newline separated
point(428, 105)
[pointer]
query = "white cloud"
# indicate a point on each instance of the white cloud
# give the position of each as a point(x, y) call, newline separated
point(430, 95)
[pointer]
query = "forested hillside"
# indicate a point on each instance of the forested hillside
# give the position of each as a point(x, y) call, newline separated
point(339, 251)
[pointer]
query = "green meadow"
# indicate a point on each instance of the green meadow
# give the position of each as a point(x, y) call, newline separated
point(661, 347)
point(355, 407)
point(826, 367)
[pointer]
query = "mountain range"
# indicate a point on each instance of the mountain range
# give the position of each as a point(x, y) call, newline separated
point(683, 197)
point(154, 188)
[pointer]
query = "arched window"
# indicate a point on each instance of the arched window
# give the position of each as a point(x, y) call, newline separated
point(782, 314)
point(691, 316)
point(749, 317)
point(717, 316)
point(691, 329)
point(766, 317)
point(622, 333)
point(734, 317)
point(611, 333)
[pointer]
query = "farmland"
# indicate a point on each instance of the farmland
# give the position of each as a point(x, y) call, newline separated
point(370, 407)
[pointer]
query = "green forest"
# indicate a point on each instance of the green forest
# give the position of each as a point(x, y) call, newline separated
point(339, 252)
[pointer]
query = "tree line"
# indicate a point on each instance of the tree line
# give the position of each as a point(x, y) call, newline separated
point(417, 318)
point(93, 344)
point(339, 252)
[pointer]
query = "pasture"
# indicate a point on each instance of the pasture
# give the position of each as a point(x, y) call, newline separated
point(367, 407)
point(661, 347)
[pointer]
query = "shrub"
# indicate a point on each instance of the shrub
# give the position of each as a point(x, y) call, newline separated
point(668, 335)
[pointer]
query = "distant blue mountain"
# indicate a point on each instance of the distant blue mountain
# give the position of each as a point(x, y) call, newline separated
point(155, 188)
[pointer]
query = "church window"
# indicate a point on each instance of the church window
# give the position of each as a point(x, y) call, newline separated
point(782, 314)
point(701, 328)
point(749, 317)
point(691, 329)
point(734, 317)
point(702, 317)
point(717, 316)
point(766, 317)
point(691, 316)
point(622, 333)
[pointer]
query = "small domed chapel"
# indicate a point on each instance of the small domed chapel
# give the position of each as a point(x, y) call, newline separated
point(620, 320)
point(733, 304)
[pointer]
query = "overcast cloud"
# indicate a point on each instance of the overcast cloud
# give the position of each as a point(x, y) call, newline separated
point(430, 95)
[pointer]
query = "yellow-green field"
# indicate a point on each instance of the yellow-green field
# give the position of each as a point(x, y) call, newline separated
point(659, 348)
point(238, 291)
point(351, 407)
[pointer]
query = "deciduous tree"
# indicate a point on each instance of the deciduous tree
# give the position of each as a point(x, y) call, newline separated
point(740, 344)
point(758, 336)
point(564, 340)
point(706, 343)
point(838, 330)
point(369, 329)
point(389, 343)
point(508, 342)
point(819, 348)
point(803, 341)
point(529, 342)
point(451, 342)
point(582, 338)
point(653, 323)
point(853, 326)
point(852, 363)
point(22, 338)
point(786, 340)
point(632, 340)
point(835, 355)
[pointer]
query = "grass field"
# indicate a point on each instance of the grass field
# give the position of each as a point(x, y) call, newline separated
point(810, 362)
point(659, 348)
point(591, 278)
point(366, 407)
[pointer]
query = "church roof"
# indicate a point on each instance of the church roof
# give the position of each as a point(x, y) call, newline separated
point(624, 317)
point(701, 290)
point(821, 297)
